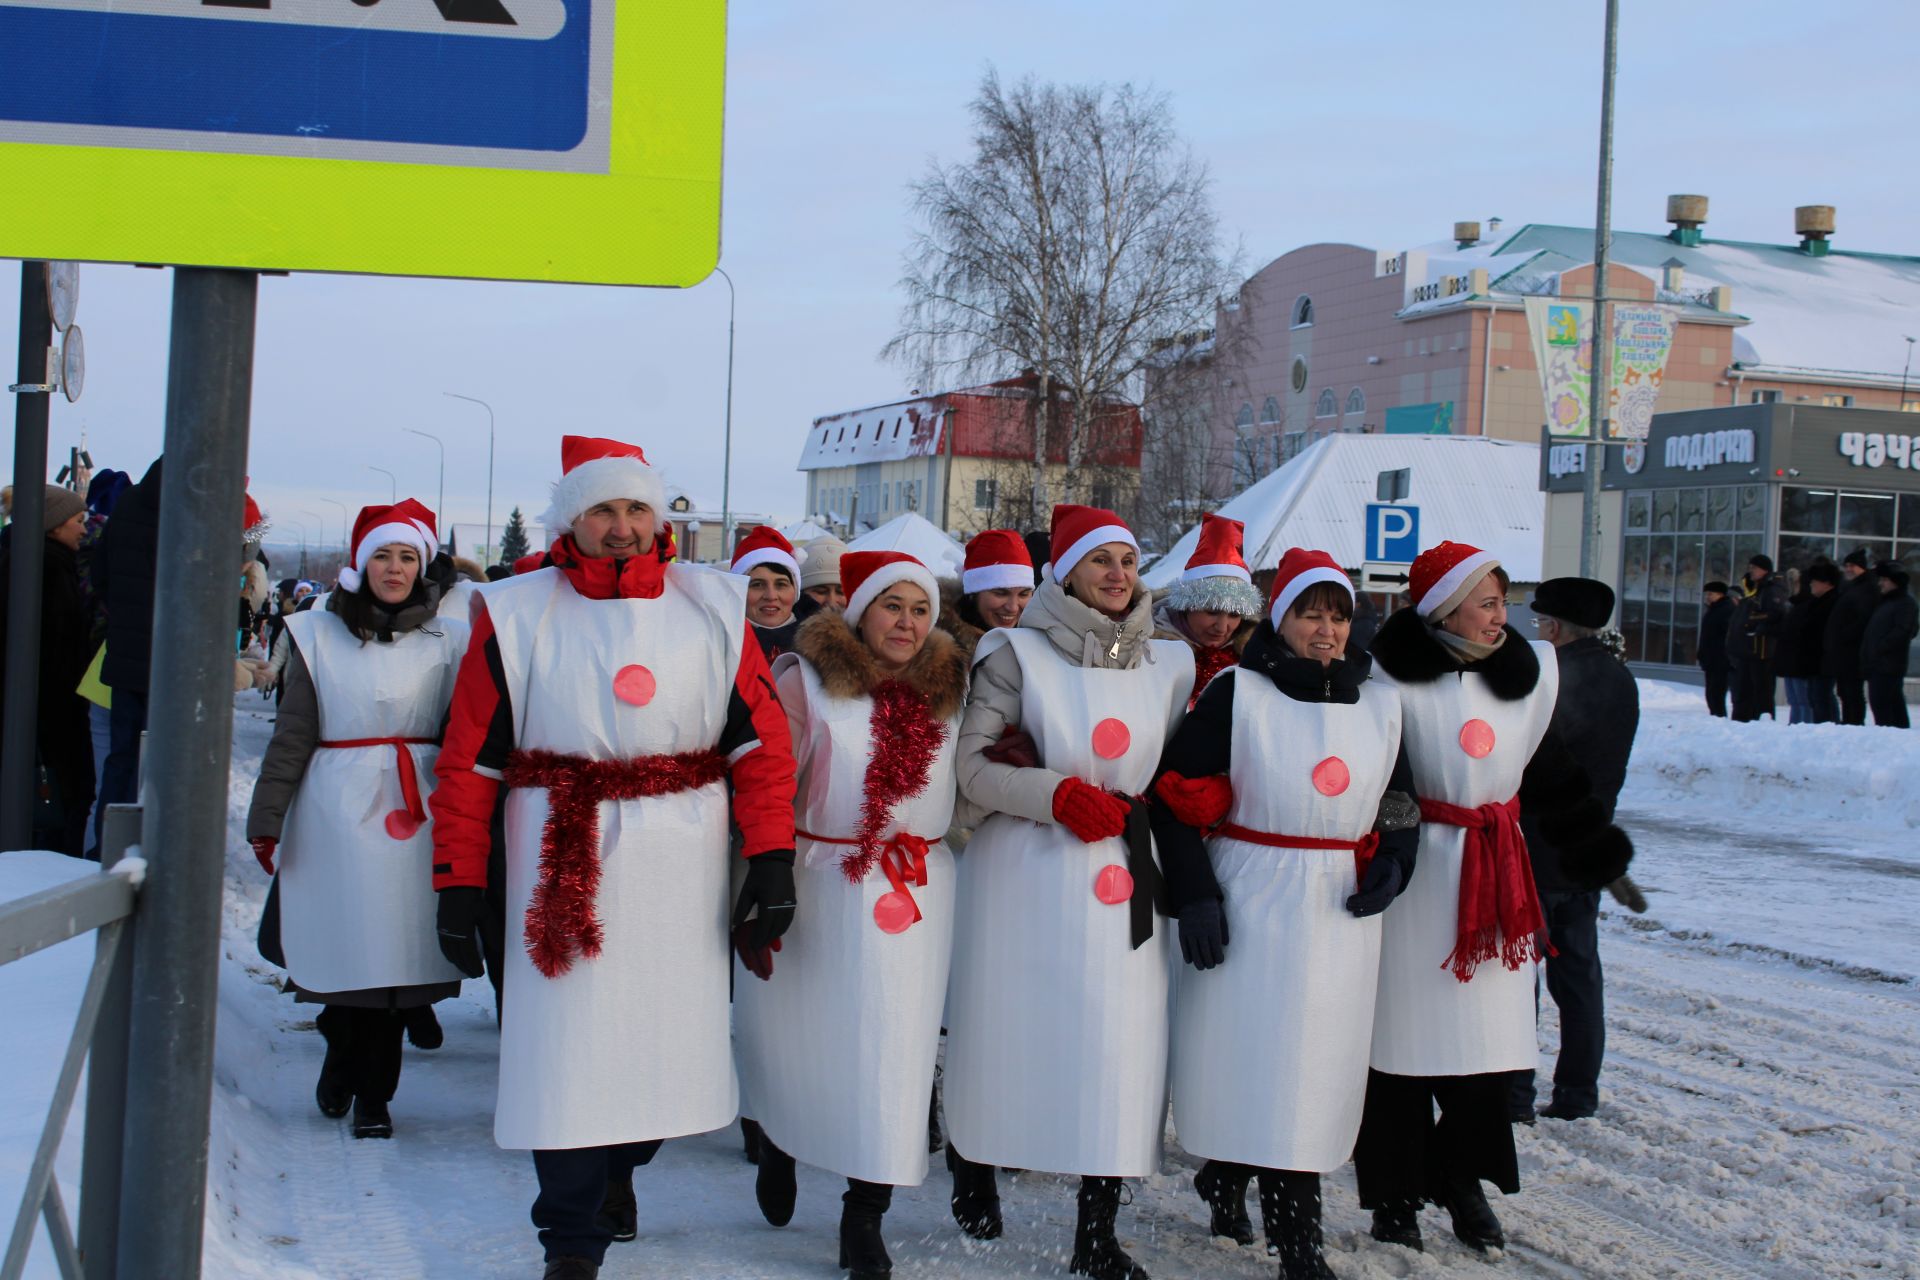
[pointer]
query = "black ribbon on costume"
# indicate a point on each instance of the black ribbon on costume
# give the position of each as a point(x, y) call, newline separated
point(1149, 887)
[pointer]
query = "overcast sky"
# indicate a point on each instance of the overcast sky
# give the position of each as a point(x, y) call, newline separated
point(1374, 123)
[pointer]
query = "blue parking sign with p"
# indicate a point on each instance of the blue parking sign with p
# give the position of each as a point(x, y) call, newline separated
point(1393, 532)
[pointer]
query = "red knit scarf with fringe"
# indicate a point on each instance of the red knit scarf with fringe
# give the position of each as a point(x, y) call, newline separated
point(1499, 913)
point(906, 737)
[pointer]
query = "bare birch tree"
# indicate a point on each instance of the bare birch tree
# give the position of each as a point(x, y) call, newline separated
point(1079, 234)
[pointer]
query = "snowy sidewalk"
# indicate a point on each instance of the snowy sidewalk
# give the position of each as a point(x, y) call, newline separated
point(1761, 1114)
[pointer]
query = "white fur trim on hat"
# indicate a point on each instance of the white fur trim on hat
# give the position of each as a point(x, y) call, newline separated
point(996, 577)
point(1096, 538)
point(1193, 573)
point(603, 480)
point(1445, 594)
point(404, 532)
point(767, 555)
point(1301, 581)
point(885, 576)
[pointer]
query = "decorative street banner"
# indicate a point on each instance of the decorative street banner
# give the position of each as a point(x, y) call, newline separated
point(1642, 340)
point(1563, 348)
point(1562, 334)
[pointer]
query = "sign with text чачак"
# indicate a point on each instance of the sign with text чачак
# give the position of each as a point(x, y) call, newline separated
point(494, 139)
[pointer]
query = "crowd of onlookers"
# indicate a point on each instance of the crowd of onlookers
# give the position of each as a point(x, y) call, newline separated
point(1838, 635)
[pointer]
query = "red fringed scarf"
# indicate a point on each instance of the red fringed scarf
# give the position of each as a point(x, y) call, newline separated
point(562, 922)
point(905, 739)
point(1499, 913)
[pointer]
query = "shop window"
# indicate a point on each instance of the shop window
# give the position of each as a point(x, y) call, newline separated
point(1686, 634)
point(1633, 623)
point(1665, 503)
point(1809, 510)
point(1719, 509)
point(1800, 550)
point(1866, 515)
point(1692, 511)
point(1328, 406)
point(1909, 523)
point(1639, 512)
point(1718, 566)
point(1752, 513)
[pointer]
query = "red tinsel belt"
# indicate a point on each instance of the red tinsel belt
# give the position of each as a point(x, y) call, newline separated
point(416, 810)
point(903, 860)
point(1499, 912)
point(1363, 849)
point(561, 920)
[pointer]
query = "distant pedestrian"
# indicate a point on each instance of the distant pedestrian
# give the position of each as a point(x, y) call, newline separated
point(1885, 646)
point(1753, 637)
point(1711, 653)
point(1846, 627)
point(1804, 645)
point(820, 573)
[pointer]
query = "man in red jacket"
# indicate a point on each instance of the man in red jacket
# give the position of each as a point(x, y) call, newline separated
point(615, 694)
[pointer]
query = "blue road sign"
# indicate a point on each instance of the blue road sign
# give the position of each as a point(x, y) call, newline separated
point(365, 79)
point(1393, 533)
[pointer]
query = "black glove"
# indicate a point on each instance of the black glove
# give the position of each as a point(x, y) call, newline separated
point(769, 887)
point(1378, 888)
point(457, 918)
point(1203, 933)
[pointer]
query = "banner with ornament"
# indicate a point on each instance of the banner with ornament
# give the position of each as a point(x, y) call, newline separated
point(1562, 334)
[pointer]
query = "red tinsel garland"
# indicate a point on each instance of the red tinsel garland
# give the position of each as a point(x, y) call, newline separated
point(905, 739)
point(561, 921)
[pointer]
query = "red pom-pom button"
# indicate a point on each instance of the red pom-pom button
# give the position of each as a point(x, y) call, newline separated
point(894, 912)
point(1114, 885)
point(402, 825)
point(1111, 739)
point(634, 685)
point(1330, 776)
point(1476, 739)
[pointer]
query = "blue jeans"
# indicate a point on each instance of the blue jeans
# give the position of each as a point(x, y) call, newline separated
point(120, 774)
point(1798, 709)
point(1821, 702)
point(100, 725)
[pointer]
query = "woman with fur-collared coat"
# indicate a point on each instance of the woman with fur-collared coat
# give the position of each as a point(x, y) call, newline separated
point(1455, 1010)
point(836, 1046)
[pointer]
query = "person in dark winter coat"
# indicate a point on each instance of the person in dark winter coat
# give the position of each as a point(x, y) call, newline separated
point(1846, 627)
point(122, 568)
point(1711, 653)
point(1885, 646)
point(1596, 717)
point(62, 740)
point(1803, 647)
point(1753, 638)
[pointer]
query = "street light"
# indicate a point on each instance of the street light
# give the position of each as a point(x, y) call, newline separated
point(726, 462)
point(439, 506)
point(303, 543)
point(346, 522)
point(486, 550)
point(1904, 372)
point(393, 485)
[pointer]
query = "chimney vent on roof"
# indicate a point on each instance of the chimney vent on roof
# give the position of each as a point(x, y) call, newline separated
point(1687, 214)
point(1493, 228)
point(1467, 234)
point(1813, 223)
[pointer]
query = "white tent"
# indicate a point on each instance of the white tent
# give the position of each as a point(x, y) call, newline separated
point(1468, 489)
point(804, 532)
point(920, 538)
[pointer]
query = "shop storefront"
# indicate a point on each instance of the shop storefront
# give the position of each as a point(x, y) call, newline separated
point(1712, 487)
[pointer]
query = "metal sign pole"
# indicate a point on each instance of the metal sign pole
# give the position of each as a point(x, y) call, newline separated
point(1602, 398)
point(30, 413)
point(190, 725)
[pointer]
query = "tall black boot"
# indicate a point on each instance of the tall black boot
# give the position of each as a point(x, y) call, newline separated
point(334, 1093)
point(1223, 1185)
point(1290, 1207)
point(1473, 1219)
point(862, 1251)
point(1096, 1252)
point(774, 1185)
point(975, 1199)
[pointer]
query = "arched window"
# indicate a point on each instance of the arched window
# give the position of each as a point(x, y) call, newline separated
point(1328, 406)
point(1244, 418)
point(1302, 311)
point(1270, 411)
point(1356, 401)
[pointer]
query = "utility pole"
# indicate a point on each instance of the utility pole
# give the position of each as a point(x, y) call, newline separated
point(726, 458)
point(1600, 401)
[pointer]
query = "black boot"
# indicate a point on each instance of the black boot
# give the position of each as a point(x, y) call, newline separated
point(1290, 1208)
point(1398, 1222)
point(1223, 1185)
point(862, 1251)
point(975, 1199)
point(1473, 1220)
point(571, 1268)
point(1096, 1252)
point(334, 1093)
point(619, 1212)
point(371, 1120)
point(423, 1027)
point(750, 1135)
point(774, 1187)
point(936, 1132)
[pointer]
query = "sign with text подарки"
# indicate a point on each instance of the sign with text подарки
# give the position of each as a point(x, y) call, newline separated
point(491, 139)
point(1562, 334)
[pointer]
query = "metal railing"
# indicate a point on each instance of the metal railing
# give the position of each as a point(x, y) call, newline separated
point(105, 902)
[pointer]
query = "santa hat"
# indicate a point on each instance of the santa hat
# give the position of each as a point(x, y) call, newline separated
point(1300, 569)
point(1216, 577)
point(253, 524)
point(1078, 530)
point(1441, 577)
point(996, 560)
point(405, 522)
point(594, 471)
point(866, 575)
point(764, 545)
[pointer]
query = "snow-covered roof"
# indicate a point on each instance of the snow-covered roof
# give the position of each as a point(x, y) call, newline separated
point(1468, 489)
point(920, 538)
point(879, 433)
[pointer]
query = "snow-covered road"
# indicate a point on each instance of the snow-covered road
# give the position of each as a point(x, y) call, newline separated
point(1761, 1113)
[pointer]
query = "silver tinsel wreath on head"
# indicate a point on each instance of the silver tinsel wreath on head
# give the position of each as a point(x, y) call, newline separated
point(1216, 595)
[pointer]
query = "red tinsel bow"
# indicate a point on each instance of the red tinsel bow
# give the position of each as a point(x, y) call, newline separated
point(905, 739)
point(561, 920)
point(1499, 913)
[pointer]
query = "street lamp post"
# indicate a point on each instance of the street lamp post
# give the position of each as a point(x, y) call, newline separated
point(726, 461)
point(346, 523)
point(486, 551)
point(393, 485)
point(439, 506)
point(1600, 398)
